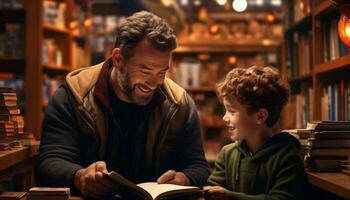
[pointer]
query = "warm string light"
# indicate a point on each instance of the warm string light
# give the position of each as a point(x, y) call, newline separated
point(344, 22)
point(240, 5)
point(344, 29)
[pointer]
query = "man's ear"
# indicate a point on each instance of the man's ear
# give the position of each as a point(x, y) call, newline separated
point(261, 116)
point(117, 58)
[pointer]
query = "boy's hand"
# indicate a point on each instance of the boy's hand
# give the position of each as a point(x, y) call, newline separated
point(91, 183)
point(216, 192)
point(173, 177)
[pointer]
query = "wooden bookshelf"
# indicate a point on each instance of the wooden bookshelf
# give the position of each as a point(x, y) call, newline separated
point(38, 30)
point(329, 66)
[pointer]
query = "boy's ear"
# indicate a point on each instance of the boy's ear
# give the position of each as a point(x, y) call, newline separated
point(261, 116)
point(117, 58)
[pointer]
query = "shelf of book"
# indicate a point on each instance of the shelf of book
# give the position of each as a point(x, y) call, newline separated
point(329, 60)
point(53, 48)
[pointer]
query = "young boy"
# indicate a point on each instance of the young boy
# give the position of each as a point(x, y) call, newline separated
point(261, 164)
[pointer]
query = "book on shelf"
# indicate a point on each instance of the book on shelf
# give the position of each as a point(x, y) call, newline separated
point(302, 8)
point(12, 41)
point(152, 190)
point(12, 4)
point(54, 13)
point(50, 86)
point(333, 47)
point(51, 52)
point(302, 104)
point(79, 56)
point(335, 101)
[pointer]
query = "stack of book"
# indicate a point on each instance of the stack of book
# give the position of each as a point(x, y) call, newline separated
point(39, 193)
point(12, 133)
point(11, 122)
point(329, 146)
point(303, 135)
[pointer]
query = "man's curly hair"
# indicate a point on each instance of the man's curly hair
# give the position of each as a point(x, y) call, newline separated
point(144, 25)
point(255, 88)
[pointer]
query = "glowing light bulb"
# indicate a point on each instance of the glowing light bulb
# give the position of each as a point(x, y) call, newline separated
point(344, 29)
point(221, 2)
point(240, 5)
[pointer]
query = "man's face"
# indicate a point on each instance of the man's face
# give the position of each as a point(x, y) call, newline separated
point(143, 73)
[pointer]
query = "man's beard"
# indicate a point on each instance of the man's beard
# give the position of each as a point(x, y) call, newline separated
point(123, 80)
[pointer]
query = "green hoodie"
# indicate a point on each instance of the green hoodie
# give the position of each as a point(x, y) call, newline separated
point(274, 171)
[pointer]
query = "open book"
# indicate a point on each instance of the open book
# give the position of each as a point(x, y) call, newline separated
point(153, 190)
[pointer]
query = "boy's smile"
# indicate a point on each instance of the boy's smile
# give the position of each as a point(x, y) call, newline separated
point(238, 121)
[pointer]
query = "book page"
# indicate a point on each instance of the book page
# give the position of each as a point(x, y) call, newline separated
point(155, 189)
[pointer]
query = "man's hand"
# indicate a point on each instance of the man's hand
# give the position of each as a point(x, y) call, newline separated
point(91, 183)
point(173, 177)
point(216, 192)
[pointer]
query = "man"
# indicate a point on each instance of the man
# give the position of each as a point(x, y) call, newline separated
point(123, 115)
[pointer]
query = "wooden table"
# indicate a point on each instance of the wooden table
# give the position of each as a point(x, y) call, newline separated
point(335, 182)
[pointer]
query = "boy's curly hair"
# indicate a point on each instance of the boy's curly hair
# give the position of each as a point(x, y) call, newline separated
point(255, 88)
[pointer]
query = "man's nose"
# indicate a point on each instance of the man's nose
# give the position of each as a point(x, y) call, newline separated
point(153, 82)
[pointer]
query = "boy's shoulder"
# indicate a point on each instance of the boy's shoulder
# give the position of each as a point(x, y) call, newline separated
point(229, 148)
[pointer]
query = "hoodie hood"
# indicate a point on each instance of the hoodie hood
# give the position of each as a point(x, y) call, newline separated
point(269, 147)
point(251, 163)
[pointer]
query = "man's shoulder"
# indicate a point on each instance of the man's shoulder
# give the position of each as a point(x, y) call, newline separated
point(174, 91)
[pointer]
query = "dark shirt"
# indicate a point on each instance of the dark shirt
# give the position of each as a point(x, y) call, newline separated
point(127, 138)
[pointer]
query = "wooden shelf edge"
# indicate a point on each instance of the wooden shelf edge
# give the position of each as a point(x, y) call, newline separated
point(300, 78)
point(334, 185)
point(9, 158)
point(333, 65)
point(191, 47)
point(61, 68)
point(322, 7)
point(52, 28)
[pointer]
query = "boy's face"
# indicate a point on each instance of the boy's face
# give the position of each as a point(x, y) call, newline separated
point(240, 124)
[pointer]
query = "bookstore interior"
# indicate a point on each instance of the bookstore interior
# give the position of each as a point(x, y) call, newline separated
point(308, 41)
